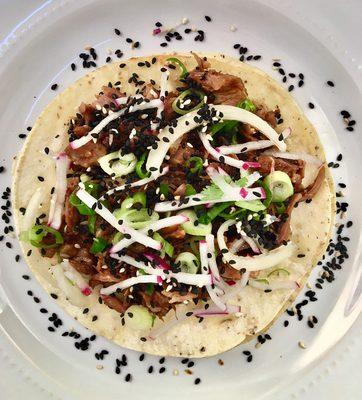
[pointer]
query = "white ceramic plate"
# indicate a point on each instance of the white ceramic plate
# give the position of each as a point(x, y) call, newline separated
point(40, 53)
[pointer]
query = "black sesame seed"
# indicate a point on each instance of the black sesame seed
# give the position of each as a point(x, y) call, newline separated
point(128, 378)
point(51, 329)
point(330, 83)
point(26, 277)
point(162, 370)
point(208, 19)
point(286, 323)
point(117, 31)
point(150, 369)
point(197, 381)
point(54, 86)
point(311, 105)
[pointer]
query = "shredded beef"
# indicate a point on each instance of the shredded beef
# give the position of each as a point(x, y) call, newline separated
point(266, 115)
point(71, 215)
point(228, 272)
point(169, 113)
point(294, 168)
point(307, 194)
point(149, 92)
point(86, 155)
point(87, 113)
point(107, 96)
point(202, 63)
point(225, 88)
point(81, 130)
point(176, 297)
point(103, 276)
point(80, 258)
point(173, 232)
point(156, 302)
point(115, 303)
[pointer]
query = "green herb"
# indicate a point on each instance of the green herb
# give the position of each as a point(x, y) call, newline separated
point(190, 190)
point(167, 247)
point(164, 189)
point(99, 244)
point(195, 164)
point(139, 171)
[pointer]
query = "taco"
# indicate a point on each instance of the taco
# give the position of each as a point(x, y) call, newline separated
point(175, 204)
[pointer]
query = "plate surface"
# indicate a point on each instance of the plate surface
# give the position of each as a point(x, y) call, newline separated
point(31, 66)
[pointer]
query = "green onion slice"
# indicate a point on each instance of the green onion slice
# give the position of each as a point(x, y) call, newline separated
point(196, 162)
point(188, 93)
point(180, 64)
point(139, 171)
point(37, 233)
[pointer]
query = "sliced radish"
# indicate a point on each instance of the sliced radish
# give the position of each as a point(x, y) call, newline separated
point(205, 270)
point(75, 277)
point(244, 165)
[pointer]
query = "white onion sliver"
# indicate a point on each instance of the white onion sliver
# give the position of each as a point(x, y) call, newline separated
point(32, 209)
point(75, 144)
point(141, 182)
point(245, 194)
point(238, 245)
point(111, 219)
point(245, 147)
point(225, 159)
point(154, 226)
point(130, 282)
point(205, 270)
point(255, 263)
point(58, 197)
point(294, 156)
point(137, 264)
point(163, 90)
point(164, 327)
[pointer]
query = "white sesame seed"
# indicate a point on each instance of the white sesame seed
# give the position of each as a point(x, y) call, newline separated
point(99, 366)
point(167, 157)
point(169, 288)
point(77, 246)
point(302, 345)
point(185, 21)
point(204, 129)
point(122, 270)
point(162, 197)
point(190, 145)
point(98, 107)
point(233, 28)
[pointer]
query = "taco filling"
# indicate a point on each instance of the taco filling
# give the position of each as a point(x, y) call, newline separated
point(175, 197)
